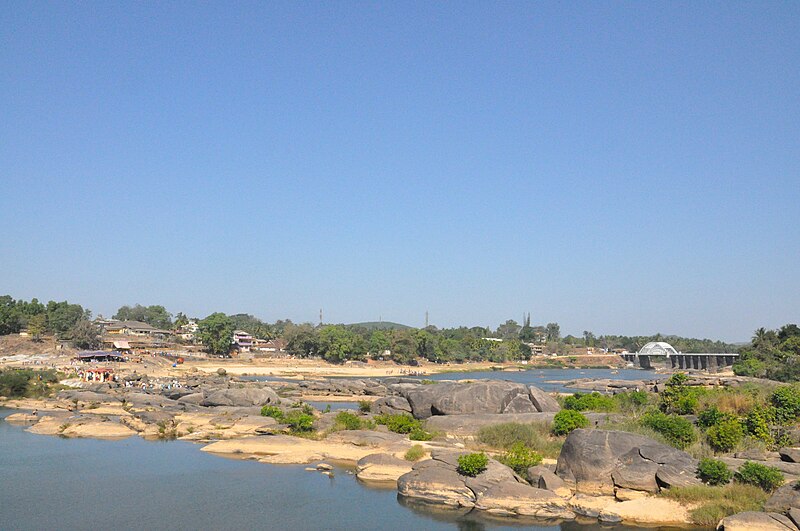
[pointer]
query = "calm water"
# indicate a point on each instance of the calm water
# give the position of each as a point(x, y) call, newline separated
point(53, 483)
point(549, 379)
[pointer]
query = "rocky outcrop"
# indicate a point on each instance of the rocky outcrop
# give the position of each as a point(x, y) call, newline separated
point(391, 405)
point(599, 461)
point(381, 467)
point(755, 521)
point(791, 455)
point(542, 401)
point(544, 478)
point(482, 397)
point(241, 397)
point(783, 499)
point(469, 425)
point(497, 490)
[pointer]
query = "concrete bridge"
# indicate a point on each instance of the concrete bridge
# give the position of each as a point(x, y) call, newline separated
point(677, 360)
point(701, 361)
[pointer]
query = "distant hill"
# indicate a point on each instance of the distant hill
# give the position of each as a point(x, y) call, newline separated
point(381, 325)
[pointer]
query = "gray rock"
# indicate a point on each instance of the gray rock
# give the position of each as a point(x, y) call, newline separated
point(194, 398)
point(391, 405)
point(595, 460)
point(542, 401)
point(792, 455)
point(436, 484)
point(636, 472)
point(783, 499)
point(241, 397)
point(755, 521)
point(86, 396)
point(544, 478)
point(520, 404)
point(794, 516)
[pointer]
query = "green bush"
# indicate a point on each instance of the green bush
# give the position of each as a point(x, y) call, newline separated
point(348, 421)
point(631, 400)
point(567, 420)
point(415, 453)
point(725, 435)
point(786, 400)
point(299, 421)
point(403, 423)
point(365, 406)
point(589, 402)
point(520, 458)
point(677, 430)
point(758, 423)
point(677, 397)
point(272, 411)
point(15, 383)
point(710, 417)
point(768, 478)
point(472, 464)
point(713, 472)
point(749, 367)
point(418, 434)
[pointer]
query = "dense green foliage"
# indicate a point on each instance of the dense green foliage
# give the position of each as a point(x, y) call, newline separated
point(713, 472)
point(403, 423)
point(520, 458)
point(272, 411)
point(345, 420)
point(786, 401)
point(215, 332)
point(54, 317)
point(472, 464)
point(766, 477)
point(567, 420)
point(773, 354)
point(365, 406)
point(724, 435)
point(155, 315)
point(418, 434)
point(299, 421)
point(590, 402)
point(16, 383)
point(678, 431)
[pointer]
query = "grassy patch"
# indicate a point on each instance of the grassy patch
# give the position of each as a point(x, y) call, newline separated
point(715, 503)
point(415, 453)
point(535, 435)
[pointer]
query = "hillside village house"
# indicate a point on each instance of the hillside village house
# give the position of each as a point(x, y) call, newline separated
point(272, 345)
point(133, 328)
point(242, 341)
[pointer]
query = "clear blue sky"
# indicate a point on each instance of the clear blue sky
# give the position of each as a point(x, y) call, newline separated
point(615, 167)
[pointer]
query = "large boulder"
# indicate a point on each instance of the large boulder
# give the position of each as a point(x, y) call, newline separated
point(381, 467)
point(755, 521)
point(391, 405)
point(598, 461)
point(497, 490)
point(783, 499)
point(482, 397)
point(792, 455)
point(542, 401)
point(249, 396)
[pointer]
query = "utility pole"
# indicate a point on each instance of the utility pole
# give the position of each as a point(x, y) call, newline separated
point(320, 316)
point(426, 318)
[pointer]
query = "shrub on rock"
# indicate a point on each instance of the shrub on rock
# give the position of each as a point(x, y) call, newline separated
point(768, 478)
point(725, 435)
point(678, 431)
point(567, 420)
point(713, 472)
point(272, 411)
point(472, 464)
point(520, 458)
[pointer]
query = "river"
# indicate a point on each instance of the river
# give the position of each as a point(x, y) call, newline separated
point(72, 484)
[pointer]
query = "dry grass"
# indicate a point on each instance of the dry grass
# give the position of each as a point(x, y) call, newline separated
point(715, 503)
point(535, 435)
